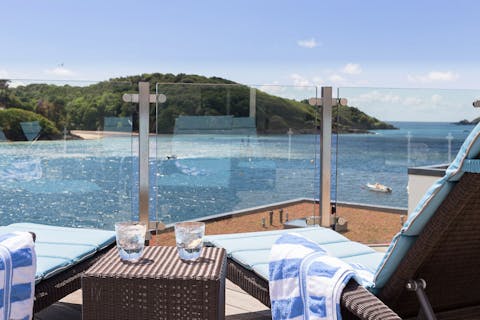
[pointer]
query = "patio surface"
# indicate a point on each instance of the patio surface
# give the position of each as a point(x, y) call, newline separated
point(239, 306)
point(368, 224)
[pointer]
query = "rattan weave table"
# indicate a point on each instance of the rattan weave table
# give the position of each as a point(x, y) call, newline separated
point(159, 286)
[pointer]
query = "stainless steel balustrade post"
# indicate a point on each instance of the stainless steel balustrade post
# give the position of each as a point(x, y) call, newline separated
point(143, 150)
point(325, 103)
point(144, 98)
point(325, 156)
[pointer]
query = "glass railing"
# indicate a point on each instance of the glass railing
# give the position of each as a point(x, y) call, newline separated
point(412, 128)
point(69, 152)
point(66, 153)
point(226, 148)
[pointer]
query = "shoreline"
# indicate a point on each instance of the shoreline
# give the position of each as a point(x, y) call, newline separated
point(95, 135)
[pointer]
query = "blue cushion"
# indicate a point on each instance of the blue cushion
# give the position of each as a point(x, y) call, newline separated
point(264, 240)
point(427, 206)
point(58, 248)
point(261, 270)
point(251, 258)
point(252, 250)
point(370, 261)
point(346, 249)
point(470, 149)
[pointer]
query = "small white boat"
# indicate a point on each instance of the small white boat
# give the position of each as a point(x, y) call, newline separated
point(378, 187)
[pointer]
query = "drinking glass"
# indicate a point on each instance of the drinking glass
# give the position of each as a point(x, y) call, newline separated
point(130, 239)
point(189, 238)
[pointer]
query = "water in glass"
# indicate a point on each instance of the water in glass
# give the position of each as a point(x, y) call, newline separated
point(189, 238)
point(130, 240)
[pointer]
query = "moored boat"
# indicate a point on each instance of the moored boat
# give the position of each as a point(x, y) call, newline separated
point(378, 187)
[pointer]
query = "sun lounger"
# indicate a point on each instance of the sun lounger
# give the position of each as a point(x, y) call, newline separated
point(248, 259)
point(440, 243)
point(63, 254)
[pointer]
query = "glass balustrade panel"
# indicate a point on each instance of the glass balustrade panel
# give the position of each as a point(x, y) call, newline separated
point(226, 148)
point(67, 153)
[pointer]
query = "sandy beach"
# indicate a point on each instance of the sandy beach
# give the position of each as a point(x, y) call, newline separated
point(94, 135)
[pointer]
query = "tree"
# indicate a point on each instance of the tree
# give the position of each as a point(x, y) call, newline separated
point(4, 93)
point(11, 119)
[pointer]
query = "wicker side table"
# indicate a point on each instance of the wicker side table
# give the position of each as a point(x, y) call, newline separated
point(159, 286)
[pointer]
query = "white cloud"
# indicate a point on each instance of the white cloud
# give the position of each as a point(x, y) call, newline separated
point(442, 76)
point(376, 96)
point(413, 101)
point(309, 43)
point(434, 76)
point(317, 81)
point(352, 68)
point(408, 102)
point(336, 78)
point(437, 99)
point(16, 83)
point(274, 88)
point(11, 83)
point(301, 89)
point(60, 71)
point(299, 80)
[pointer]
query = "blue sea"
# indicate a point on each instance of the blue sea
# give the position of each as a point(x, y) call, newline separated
point(93, 183)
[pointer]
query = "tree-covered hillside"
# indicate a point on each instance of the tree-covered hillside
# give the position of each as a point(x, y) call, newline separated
point(85, 107)
point(11, 119)
point(351, 119)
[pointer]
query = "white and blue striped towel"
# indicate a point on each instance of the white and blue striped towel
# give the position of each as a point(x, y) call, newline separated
point(305, 282)
point(17, 275)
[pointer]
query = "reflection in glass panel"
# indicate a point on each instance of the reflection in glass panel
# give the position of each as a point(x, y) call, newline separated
point(391, 131)
point(224, 148)
point(66, 154)
point(69, 151)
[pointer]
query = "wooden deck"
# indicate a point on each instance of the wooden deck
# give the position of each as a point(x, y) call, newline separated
point(239, 306)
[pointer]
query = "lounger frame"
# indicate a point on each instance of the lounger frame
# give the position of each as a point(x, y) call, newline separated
point(369, 308)
point(446, 255)
point(53, 289)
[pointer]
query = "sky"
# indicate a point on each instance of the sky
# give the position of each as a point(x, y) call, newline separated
point(371, 44)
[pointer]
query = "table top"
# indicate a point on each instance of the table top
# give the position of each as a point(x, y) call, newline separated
point(161, 262)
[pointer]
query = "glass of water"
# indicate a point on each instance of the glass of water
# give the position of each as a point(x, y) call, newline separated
point(130, 239)
point(189, 238)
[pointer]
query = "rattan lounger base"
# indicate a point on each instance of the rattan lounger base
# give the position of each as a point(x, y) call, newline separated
point(49, 291)
point(357, 302)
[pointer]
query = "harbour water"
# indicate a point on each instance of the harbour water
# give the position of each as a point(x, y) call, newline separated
point(93, 183)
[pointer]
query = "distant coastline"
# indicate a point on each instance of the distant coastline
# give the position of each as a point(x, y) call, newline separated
point(466, 122)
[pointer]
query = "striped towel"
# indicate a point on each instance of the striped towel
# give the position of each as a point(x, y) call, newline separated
point(305, 282)
point(17, 275)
